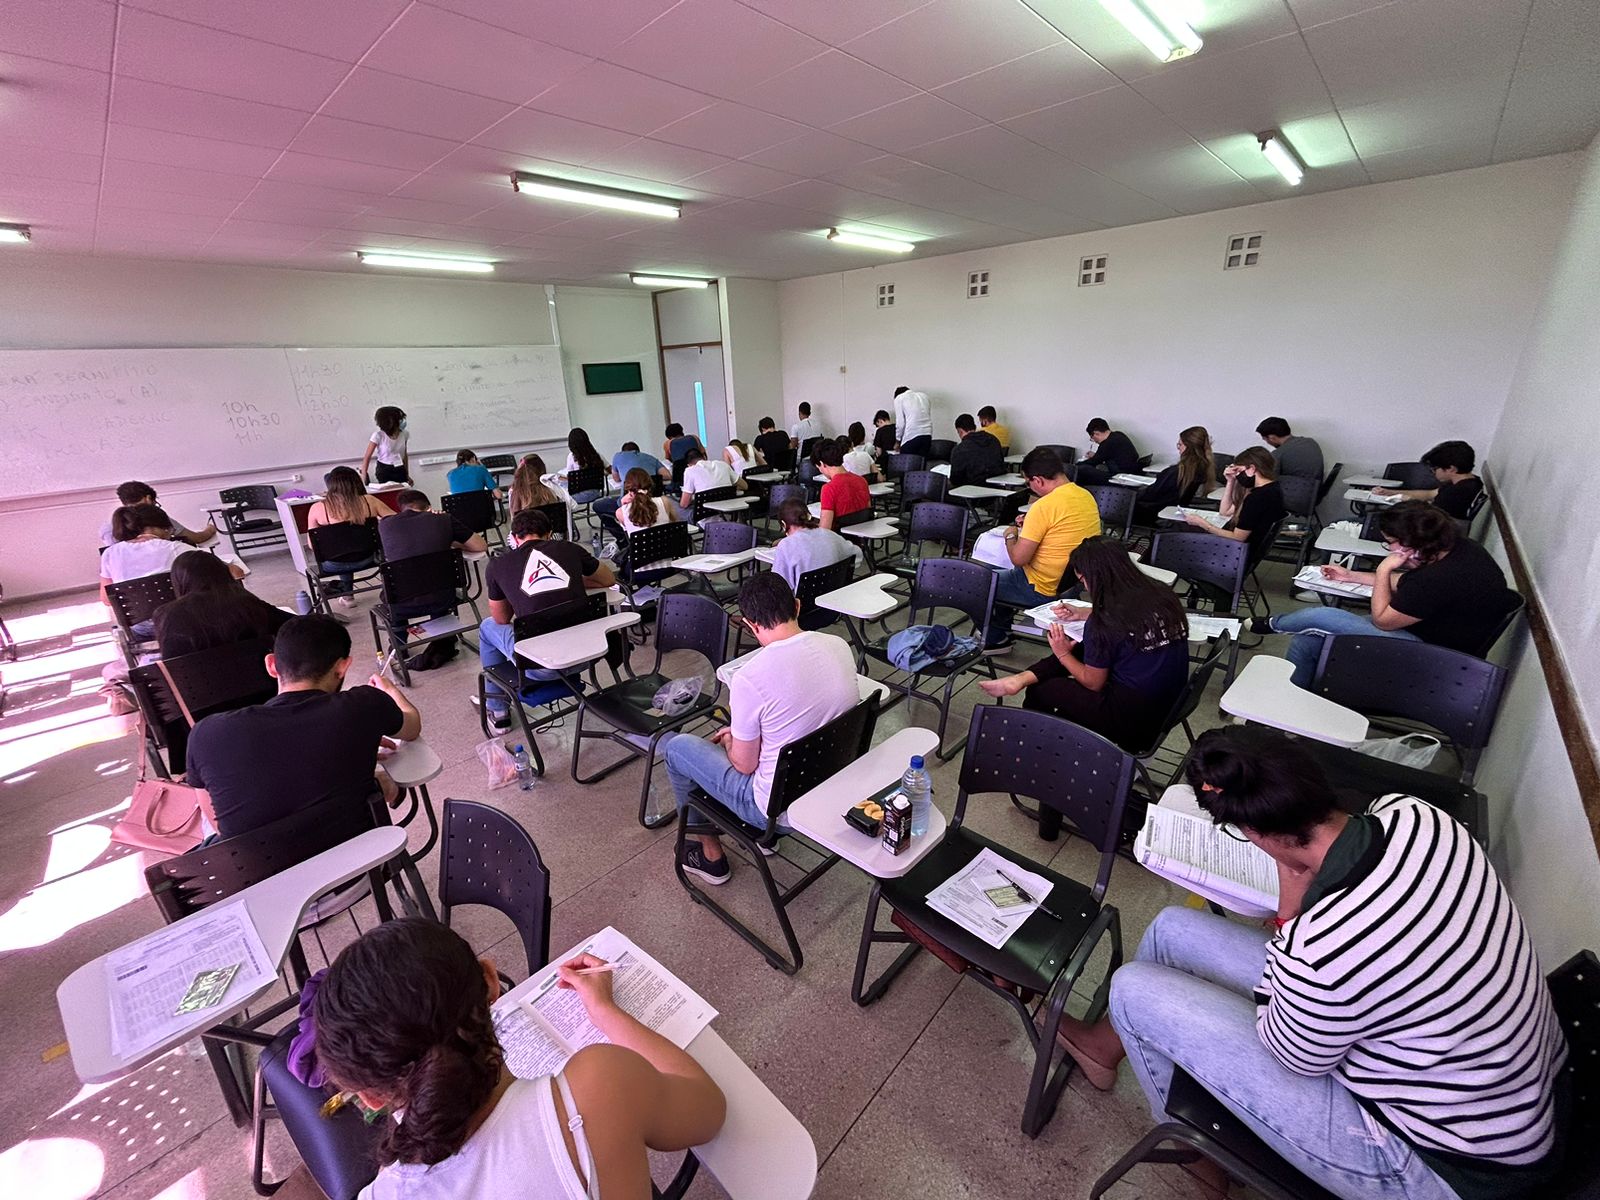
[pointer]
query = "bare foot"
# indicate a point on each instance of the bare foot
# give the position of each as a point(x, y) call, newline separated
point(1009, 685)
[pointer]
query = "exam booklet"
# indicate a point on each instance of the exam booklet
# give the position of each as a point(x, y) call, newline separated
point(540, 1025)
point(990, 897)
point(1189, 850)
point(1312, 577)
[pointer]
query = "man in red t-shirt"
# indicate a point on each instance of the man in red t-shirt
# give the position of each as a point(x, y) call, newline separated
point(844, 494)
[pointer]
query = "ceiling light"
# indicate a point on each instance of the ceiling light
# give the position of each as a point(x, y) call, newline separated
point(1281, 157)
point(424, 262)
point(1163, 32)
point(595, 197)
point(14, 233)
point(868, 242)
point(668, 281)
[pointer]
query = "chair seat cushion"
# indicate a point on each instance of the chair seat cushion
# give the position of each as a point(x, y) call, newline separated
point(532, 692)
point(1035, 954)
point(253, 524)
point(627, 705)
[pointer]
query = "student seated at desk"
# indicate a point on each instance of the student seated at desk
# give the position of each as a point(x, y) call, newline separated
point(678, 443)
point(1113, 454)
point(1193, 476)
point(529, 490)
point(739, 457)
point(1133, 661)
point(539, 574)
point(805, 545)
point(1291, 453)
point(771, 444)
point(1392, 1037)
point(623, 463)
point(640, 507)
point(1451, 463)
point(416, 530)
point(402, 1020)
point(470, 475)
point(883, 433)
point(143, 546)
point(345, 501)
point(702, 474)
point(1254, 501)
point(388, 444)
point(860, 458)
point(309, 743)
point(1437, 586)
point(735, 766)
point(136, 492)
point(845, 494)
point(212, 608)
point(977, 456)
point(582, 455)
point(989, 422)
point(1062, 516)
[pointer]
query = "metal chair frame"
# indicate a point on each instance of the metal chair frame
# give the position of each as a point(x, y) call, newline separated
point(345, 540)
point(243, 531)
point(133, 601)
point(421, 575)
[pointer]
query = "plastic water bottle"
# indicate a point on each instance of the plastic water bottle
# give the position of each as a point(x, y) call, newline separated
point(525, 775)
point(302, 602)
point(919, 790)
point(594, 542)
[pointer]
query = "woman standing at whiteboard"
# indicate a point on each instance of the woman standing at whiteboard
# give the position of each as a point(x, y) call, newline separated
point(388, 444)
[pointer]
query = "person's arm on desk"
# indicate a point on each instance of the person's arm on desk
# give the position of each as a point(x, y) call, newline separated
point(1345, 575)
point(410, 718)
point(1018, 548)
point(1384, 614)
point(199, 537)
point(1427, 494)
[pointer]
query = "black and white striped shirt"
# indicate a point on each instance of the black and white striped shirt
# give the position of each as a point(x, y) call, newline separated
point(1414, 981)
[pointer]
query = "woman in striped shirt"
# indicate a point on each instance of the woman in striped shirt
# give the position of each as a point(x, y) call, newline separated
point(1393, 1039)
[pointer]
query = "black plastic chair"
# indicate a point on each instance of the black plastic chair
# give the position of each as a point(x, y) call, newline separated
point(241, 520)
point(134, 601)
point(1202, 1127)
point(559, 516)
point(897, 465)
point(499, 462)
point(1213, 567)
point(478, 511)
point(1087, 780)
point(1492, 639)
point(488, 858)
point(1454, 693)
point(1221, 462)
point(951, 584)
point(340, 1151)
point(1116, 507)
point(1178, 716)
point(1413, 476)
point(1068, 454)
point(164, 731)
point(780, 493)
point(802, 765)
point(683, 622)
point(1328, 481)
point(343, 543)
point(647, 558)
point(920, 487)
point(818, 582)
point(701, 513)
point(940, 449)
point(725, 537)
point(219, 678)
point(932, 521)
point(437, 581)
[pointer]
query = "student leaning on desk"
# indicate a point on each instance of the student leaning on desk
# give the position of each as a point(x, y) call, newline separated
point(136, 492)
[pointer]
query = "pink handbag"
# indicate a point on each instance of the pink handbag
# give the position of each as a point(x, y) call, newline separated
point(165, 816)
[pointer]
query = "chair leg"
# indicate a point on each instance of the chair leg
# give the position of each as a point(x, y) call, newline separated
point(1045, 1086)
point(258, 1141)
point(680, 1182)
point(1145, 1151)
point(870, 936)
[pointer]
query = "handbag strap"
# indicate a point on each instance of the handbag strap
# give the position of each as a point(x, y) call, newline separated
point(183, 707)
point(150, 814)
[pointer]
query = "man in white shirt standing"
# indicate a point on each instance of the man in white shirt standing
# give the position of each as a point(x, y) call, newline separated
point(913, 421)
point(736, 765)
point(804, 429)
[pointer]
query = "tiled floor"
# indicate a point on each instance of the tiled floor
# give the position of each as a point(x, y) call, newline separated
point(919, 1095)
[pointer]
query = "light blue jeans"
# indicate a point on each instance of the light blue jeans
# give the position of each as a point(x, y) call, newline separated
point(1186, 999)
point(1311, 625)
point(1012, 588)
point(694, 761)
point(495, 642)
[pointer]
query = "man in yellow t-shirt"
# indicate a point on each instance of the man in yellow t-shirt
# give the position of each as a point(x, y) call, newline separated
point(1063, 514)
point(989, 422)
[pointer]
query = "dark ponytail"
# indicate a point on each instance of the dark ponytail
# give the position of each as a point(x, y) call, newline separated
point(404, 1010)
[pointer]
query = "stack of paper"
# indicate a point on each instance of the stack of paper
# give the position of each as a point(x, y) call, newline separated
point(1044, 616)
point(1209, 515)
point(1130, 480)
point(1189, 850)
point(983, 897)
point(1313, 578)
point(1203, 628)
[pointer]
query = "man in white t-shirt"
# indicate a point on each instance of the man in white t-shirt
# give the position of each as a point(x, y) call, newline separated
point(736, 766)
point(803, 430)
point(701, 474)
point(913, 421)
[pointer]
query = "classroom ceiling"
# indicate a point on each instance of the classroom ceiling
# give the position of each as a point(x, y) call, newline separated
point(295, 132)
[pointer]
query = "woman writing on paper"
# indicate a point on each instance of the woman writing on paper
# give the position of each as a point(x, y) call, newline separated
point(388, 445)
point(402, 1020)
point(1122, 678)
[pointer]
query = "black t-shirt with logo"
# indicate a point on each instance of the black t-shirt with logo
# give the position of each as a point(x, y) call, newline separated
point(540, 575)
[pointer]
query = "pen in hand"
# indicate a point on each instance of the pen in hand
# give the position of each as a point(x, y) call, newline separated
point(1021, 891)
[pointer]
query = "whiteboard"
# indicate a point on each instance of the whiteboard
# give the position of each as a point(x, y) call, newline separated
point(73, 419)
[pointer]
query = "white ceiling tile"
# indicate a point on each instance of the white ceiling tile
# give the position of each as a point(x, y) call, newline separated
point(604, 94)
point(356, 141)
point(160, 177)
point(253, 208)
point(715, 46)
point(185, 150)
point(181, 110)
point(951, 39)
point(1263, 86)
point(1429, 160)
point(52, 105)
point(593, 27)
point(729, 129)
point(454, 51)
point(1554, 103)
point(648, 159)
point(39, 194)
point(830, 88)
point(741, 179)
point(338, 173)
point(907, 123)
point(286, 191)
point(534, 134)
point(44, 163)
point(834, 199)
point(1045, 77)
point(814, 153)
point(1106, 127)
point(1223, 25)
point(1317, 12)
point(75, 32)
point(144, 223)
point(1445, 115)
point(1188, 179)
point(379, 98)
point(136, 194)
point(343, 30)
point(836, 21)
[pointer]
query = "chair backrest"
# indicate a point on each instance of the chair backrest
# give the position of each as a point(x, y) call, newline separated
point(957, 583)
point(1575, 992)
point(1221, 462)
point(785, 491)
point(499, 462)
point(655, 543)
point(220, 678)
point(780, 460)
point(1413, 476)
point(1369, 525)
point(486, 857)
point(1056, 763)
point(686, 621)
point(808, 761)
point(1299, 494)
point(1069, 454)
point(1328, 481)
point(1145, 460)
point(1203, 558)
point(340, 1151)
point(1455, 693)
point(558, 514)
point(860, 517)
point(1189, 698)
point(1115, 505)
point(135, 600)
point(707, 496)
point(475, 510)
point(424, 576)
point(806, 447)
point(896, 465)
point(728, 537)
point(252, 497)
point(818, 582)
point(345, 542)
point(940, 449)
point(586, 479)
point(932, 521)
point(922, 485)
point(679, 465)
point(1505, 623)
point(1257, 549)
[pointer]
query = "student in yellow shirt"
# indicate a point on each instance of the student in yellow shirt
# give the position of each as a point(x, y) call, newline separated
point(1063, 514)
point(988, 421)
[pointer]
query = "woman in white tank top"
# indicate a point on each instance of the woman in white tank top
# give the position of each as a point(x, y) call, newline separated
point(402, 1021)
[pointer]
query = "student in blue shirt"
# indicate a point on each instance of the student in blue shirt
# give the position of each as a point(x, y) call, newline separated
point(629, 458)
point(470, 475)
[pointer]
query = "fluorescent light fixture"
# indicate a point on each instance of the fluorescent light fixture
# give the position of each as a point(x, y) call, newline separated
point(14, 233)
point(869, 241)
point(595, 197)
point(668, 281)
point(1155, 23)
point(424, 262)
point(1281, 157)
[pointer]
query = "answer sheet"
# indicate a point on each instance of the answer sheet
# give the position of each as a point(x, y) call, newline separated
point(963, 897)
point(1191, 851)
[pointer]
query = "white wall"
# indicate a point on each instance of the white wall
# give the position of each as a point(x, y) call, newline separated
point(611, 325)
point(689, 315)
point(52, 301)
point(1542, 465)
point(752, 353)
point(1380, 320)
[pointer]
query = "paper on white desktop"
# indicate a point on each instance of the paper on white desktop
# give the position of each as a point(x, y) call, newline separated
point(1191, 851)
point(1044, 616)
point(961, 897)
point(1209, 516)
point(146, 979)
point(546, 1025)
point(1312, 577)
point(1210, 627)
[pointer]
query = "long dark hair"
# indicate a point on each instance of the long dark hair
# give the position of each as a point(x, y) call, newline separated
point(388, 419)
point(132, 520)
point(1127, 603)
point(583, 451)
point(404, 1010)
point(196, 571)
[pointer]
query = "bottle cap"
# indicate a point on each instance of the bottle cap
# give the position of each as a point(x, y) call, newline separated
point(900, 801)
point(916, 762)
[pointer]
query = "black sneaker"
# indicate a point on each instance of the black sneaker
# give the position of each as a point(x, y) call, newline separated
point(695, 862)
point(999, 647)
point(1261, 625)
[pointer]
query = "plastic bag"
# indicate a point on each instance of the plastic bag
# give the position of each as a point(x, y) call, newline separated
point(498, 762)
point(677, 697)
point(1411, 750)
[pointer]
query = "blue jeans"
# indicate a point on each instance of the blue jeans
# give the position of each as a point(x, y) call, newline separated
point(694, 761)
point(495, 643)
point(1011, 589)
point(1311, 625)
point(342, 581)
point(1186, 999)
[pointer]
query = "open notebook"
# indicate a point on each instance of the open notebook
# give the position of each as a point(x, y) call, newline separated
point(1189, 850)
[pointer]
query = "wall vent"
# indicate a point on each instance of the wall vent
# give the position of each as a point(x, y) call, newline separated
point(1092, 270)
point(886, 295)
point(977, 285)
point(1244, 250)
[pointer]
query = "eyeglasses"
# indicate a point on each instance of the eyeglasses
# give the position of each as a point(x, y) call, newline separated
point(1232, 831)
